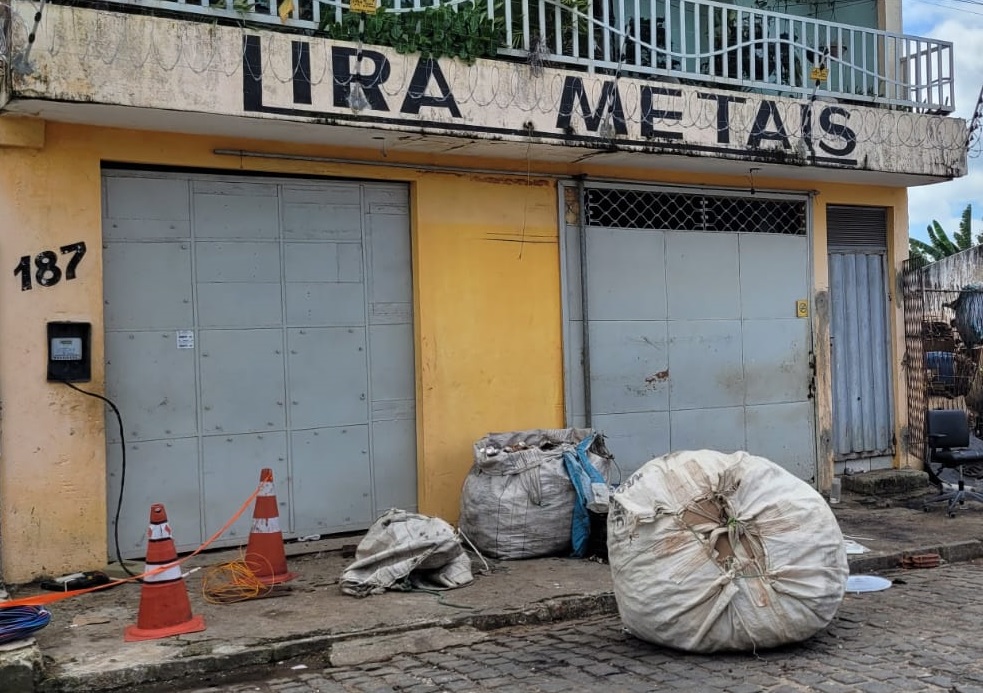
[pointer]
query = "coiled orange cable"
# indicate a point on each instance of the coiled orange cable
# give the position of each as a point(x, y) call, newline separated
point(228, 583)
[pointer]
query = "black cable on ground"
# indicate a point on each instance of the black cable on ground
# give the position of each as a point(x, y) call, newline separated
point(440, 597)
point(122, 474)
point(18, 622)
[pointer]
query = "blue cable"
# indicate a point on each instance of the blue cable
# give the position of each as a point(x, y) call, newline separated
point(17, 622)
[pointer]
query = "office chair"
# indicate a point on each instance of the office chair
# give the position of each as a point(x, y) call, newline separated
point(948, 443)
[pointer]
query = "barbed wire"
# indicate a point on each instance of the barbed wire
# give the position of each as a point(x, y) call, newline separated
point(203, 49)
point(5, 30)
point(974, 138)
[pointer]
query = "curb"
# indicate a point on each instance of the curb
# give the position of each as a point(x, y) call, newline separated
point(320, 645)
point(955, 552)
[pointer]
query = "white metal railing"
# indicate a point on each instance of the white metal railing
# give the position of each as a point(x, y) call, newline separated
point(701, 41)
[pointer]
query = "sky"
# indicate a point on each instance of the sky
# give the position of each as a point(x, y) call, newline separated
point(961, 22)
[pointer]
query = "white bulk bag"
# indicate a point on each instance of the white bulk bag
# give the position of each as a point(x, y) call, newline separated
point(712, 551)
point(518, 500)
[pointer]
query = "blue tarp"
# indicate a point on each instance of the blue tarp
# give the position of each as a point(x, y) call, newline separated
point(582, 474)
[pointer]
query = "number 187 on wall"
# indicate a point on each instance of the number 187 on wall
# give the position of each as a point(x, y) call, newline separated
point(46, 271)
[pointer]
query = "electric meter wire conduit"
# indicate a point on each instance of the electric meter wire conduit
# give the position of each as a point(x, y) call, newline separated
point(122, 474)
point(69, 360)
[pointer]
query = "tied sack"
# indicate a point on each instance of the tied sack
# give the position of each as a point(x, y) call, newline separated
point(714, 552)
point(519, 500)
point(404, 550)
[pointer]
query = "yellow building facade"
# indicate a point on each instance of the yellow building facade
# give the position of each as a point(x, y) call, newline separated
point(469, 273)
point(492, 342)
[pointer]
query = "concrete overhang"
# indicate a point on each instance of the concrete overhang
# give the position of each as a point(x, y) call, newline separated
point(132, 70)
point(420, 146)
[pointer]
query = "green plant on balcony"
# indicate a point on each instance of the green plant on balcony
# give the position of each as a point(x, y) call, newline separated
point(465, 32)
point(659, 45)
point(583, 32)
point(569, 14)
point(751, 56)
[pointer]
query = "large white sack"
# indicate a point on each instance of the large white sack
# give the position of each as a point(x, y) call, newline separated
point(712, 551)
point(518, 501)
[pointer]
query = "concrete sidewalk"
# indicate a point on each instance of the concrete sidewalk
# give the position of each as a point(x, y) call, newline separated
point(83, 646)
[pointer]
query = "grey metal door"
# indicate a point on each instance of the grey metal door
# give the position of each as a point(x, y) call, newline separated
point(693, 339)
point(258, 323)
point(863, 418)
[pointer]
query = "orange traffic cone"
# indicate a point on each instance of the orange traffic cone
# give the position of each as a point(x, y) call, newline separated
point(264, 552)
point(164, 606)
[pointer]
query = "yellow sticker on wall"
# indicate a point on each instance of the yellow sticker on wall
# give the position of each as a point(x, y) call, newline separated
point(802, 309)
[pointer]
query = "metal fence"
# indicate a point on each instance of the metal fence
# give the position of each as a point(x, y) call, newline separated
point(694, 41)
point(707, 41)
point(943, 352)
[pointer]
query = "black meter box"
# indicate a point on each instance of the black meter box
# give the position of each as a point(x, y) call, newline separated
point(69, 352)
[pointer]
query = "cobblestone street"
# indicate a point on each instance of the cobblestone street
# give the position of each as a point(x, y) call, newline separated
point(921, 634)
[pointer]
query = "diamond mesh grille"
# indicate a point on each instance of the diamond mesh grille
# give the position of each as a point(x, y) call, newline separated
point(671, 211)
point(942, 370)
point(913, 298)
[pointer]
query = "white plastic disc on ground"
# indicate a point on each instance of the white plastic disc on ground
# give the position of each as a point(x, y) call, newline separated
point(866, 583)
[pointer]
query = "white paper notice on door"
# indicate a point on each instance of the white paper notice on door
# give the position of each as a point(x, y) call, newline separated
point(185, 339)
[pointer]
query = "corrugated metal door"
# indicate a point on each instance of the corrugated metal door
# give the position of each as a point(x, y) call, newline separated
point(863, 412)
point(693, 339)
point(258, 323)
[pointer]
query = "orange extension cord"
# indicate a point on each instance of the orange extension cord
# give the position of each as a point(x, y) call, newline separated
point(42, 599)
point(228, 583)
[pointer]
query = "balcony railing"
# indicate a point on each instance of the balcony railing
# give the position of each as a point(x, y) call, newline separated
point(690, 41)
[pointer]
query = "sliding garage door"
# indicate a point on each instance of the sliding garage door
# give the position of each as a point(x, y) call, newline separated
point(689, 323)
point(252, 323)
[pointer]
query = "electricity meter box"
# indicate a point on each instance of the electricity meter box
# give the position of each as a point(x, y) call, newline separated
point(69, 352)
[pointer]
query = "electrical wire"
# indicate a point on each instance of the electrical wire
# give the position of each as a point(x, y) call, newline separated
point(17, 623)
point(440, 594)
point(235, 581)
point(40, 600)
point(25, 60)
point(122, 474)
point(952, 7)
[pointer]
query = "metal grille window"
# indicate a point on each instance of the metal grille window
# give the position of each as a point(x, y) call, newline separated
point(671, 211)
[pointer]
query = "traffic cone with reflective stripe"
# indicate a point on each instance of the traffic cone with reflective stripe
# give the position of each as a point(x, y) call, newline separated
point(264, 552)
point(164, 606)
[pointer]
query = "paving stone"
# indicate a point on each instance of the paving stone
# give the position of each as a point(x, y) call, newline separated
point(920, 636)
point(881, 673)
point(481, 674)
point(880, 687)
point(601, 670)
point(940, 681)
point(847, 676)
point(807, 678)
point(833, 687)
point(411, 688)
point(743, 688)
